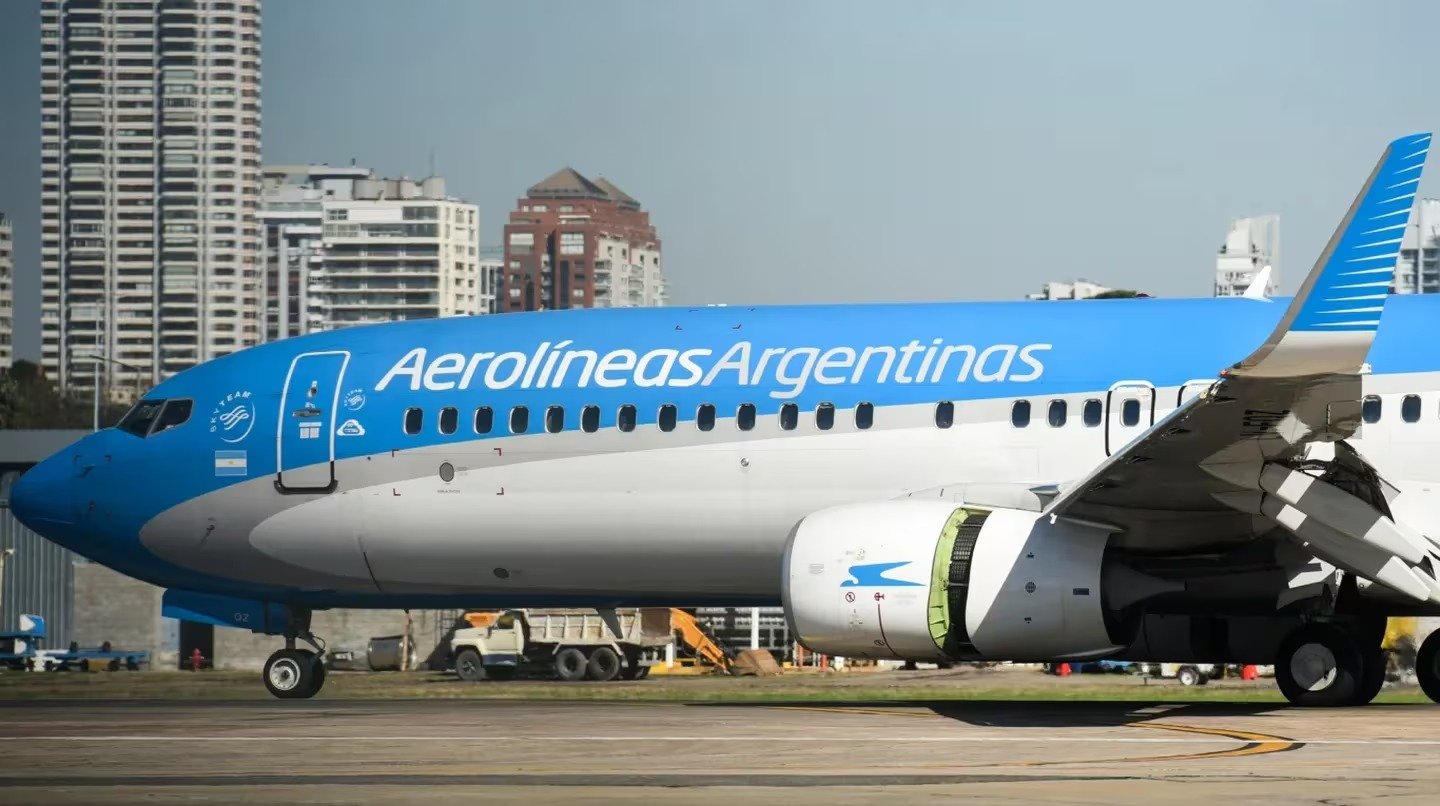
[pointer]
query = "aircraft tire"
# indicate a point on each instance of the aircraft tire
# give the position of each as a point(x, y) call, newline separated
point(468, 666)
point(1372, 679)
point(604, 665)
point(291, 674)
point(1318, 666)
point(570, 664)
point(1427, 667)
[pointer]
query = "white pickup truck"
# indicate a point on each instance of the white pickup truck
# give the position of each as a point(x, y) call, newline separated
point(571, 644)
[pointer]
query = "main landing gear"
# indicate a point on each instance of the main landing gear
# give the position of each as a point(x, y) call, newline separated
point(1327, 664)
point(296, 674)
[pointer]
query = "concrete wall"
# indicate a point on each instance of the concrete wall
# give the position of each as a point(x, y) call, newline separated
point(110, 606)
point(340, 629)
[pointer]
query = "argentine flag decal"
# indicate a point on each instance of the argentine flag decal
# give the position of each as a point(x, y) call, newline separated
point(230, 463)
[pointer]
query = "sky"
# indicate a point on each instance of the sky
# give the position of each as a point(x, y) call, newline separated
point(839, 151)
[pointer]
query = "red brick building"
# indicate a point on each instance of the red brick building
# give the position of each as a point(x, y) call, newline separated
point(576, 243)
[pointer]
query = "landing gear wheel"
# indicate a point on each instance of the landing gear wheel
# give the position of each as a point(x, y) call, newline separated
point(293, 674)
point(1372, 678)
point(1318, 666)
point(604, 665)
point(570, 664)
point(468, 666)
point(1427, 666)
point(1189, 676)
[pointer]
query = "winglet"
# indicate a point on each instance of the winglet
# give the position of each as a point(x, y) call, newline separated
point(1258, 285)
point(1331, 322)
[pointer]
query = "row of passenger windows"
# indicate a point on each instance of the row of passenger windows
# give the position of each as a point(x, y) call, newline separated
point(626, 418)
point(1372, 408)
point(1057, 415)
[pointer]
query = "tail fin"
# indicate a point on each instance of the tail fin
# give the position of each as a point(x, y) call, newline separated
point(1332, 320)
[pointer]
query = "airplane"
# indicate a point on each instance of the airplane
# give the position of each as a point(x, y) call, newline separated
point(1242, 480)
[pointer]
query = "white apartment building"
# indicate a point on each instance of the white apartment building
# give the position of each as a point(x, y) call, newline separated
point(397, 249)
point(7, 293)
point(292, 218)
point(1079, 289)
point(150, 160)
point(492, 273)
point(1420, 276)
point(1250, 245)
point(627, 275)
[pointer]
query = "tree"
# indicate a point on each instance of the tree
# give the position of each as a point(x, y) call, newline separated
point(29, 400)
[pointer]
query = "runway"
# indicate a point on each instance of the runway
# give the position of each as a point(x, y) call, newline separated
point(403, 751)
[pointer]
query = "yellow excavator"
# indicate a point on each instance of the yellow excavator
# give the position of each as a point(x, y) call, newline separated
point(692, 634)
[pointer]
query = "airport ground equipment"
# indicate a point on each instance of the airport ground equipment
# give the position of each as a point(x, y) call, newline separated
point(571, 644)
point(706, 648)
point(23, 649)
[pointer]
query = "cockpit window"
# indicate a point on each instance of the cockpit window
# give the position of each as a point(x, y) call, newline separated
point(176, 413)
point(140, 418)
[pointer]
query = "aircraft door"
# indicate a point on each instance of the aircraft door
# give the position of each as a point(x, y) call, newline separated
point(305, 444)
point(1129, 412)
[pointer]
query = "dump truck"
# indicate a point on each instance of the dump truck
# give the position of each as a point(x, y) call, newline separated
point(570, 644)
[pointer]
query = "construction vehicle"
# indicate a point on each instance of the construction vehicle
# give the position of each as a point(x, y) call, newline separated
point(571, 644)
point(704, 648)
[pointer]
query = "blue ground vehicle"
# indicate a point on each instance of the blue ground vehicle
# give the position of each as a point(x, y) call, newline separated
point(22, 650)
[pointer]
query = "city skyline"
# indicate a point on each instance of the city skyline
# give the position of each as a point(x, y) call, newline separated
point(792, 161)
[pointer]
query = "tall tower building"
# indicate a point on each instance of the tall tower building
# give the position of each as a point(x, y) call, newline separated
point(343, 247)
point(1250, 245)
point(7, 294)
point(1418, 269)
point(574, 243)
point(150, 158)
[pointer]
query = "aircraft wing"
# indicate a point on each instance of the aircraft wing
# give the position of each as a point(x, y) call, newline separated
point(1247, 445)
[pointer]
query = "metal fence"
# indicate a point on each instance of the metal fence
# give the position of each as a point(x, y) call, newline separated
point(39, 578)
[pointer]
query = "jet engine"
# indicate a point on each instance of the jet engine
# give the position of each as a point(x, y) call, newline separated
point(925, 580)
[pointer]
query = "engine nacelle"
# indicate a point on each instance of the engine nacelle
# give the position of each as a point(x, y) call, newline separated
point(925, 580)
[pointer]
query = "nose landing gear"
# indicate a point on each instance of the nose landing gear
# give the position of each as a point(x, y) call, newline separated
point(296, 674)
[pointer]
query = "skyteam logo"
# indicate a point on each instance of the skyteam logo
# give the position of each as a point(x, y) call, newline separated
point(788, 369)
point(872, 575)
point(233, 417)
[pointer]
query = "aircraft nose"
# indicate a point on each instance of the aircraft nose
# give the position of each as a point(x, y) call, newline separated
point(43, 495)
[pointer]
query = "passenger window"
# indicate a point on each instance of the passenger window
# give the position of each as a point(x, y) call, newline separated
point(825, 416)
point(1092, 413)
point(414, 420)
point(176, 413)
point(1370, 409)
point(789, 417)
point(519, 420)
point(944, 414)
point(625, 419)
point(1057, 413)
point(864, 416)
point(449, 420)
point(484, 420)
point(745, 416)
point(140, 418)
point(590, 419)
point(1020, 414)
point(1130, 412)
point(555, 419)
point(667, 417)
point(1409, 410)
point(705, 417)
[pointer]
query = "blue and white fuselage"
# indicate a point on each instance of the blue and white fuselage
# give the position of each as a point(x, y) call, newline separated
point(244, 498)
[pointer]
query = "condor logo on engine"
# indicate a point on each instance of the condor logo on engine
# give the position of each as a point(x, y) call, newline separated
point(872, 575)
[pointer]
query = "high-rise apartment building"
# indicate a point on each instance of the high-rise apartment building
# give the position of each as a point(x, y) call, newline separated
point(150, 152)
point(574, 243)
point(1418, 269)
point(1078, 289)
point(343, 247)
point(7, 293)
point(1250, 245)
point(492, 274)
